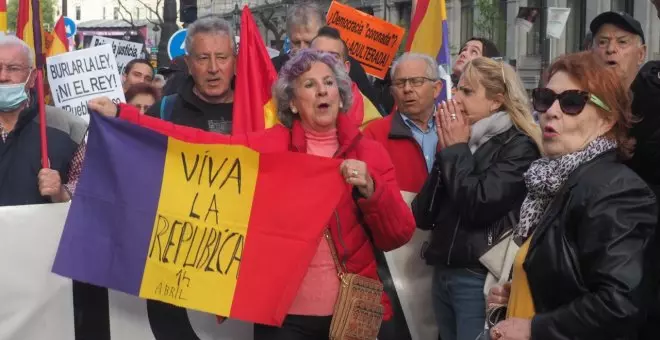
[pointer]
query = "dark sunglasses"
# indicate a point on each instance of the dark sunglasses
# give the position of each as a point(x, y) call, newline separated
point(571, 102)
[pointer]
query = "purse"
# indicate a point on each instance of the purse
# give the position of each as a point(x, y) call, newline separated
point(358, 311)
point(499, 259)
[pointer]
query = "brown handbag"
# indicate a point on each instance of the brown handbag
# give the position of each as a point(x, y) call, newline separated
point(358, 311)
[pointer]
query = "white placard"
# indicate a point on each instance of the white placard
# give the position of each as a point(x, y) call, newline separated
point(76, 77)
point(412, 279)
point(37, 304)
point(557, 18)
point(125, 51)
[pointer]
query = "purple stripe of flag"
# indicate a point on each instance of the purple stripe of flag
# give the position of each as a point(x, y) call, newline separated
point(105, 239)
point(444, 57)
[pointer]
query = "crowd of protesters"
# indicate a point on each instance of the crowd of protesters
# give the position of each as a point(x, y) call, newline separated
point(567, 177)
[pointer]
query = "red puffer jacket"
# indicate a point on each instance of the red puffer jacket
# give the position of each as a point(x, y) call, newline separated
point(386, 216)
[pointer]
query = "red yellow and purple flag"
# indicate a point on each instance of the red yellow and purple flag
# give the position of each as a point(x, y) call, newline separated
point(24, 24)
point(254, 106)
point(429, 33)
point(60, 43)
point(196, 223)
point(3, 16)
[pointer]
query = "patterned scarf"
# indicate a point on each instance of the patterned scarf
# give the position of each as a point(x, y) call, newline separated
point(546, 176)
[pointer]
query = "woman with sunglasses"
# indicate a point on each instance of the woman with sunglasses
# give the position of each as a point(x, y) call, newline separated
point(487, 140)
point(583, 272)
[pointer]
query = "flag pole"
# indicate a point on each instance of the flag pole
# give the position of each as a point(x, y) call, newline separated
point(40, 62)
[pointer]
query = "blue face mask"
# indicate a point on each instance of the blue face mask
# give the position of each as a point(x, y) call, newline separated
point(12, 96)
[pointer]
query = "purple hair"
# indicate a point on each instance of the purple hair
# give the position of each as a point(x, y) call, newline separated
point(294, 68)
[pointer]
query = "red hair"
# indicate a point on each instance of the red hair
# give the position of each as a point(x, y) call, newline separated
point(586, 70)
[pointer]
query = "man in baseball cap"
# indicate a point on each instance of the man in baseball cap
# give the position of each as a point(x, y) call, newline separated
point(618, 40)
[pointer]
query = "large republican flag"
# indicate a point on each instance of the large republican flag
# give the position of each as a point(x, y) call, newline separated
point(254, 106)
point(429, 33)
point(194, 222)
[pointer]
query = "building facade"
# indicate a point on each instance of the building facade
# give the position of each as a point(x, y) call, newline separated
point(524, 49)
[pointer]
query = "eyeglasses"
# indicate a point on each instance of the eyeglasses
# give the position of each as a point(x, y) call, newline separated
point(414, 81)
point(571, 102)
point(13, 69)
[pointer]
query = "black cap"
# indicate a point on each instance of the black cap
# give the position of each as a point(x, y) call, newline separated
point(619, 19)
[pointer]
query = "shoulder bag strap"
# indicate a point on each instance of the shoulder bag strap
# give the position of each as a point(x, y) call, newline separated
point(340, 269)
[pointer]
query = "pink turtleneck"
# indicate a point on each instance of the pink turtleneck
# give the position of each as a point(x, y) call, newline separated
point(320, 287)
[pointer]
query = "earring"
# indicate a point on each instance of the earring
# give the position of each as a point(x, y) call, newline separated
point(341, 105)
point(294, 110)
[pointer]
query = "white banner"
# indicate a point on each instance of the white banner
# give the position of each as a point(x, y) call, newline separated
point(412, 279)
point(125, 51)
point(76, 77)
point(37, 304)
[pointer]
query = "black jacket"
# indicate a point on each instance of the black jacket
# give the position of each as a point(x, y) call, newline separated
point(468, 200)
point(587, 264)
point(357, 74)
point(189, 110)
point(20, 155)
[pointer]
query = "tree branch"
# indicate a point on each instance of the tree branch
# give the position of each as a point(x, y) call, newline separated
point(130, 16)
point(158, 3)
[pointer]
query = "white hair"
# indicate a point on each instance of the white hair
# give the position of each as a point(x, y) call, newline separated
point(210, 24)
point(12, 40)
point(432, 71)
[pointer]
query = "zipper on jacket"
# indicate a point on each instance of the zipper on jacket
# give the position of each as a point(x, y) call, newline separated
point(453, 239)
point(435, 191)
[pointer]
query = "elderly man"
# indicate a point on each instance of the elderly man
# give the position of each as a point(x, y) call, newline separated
point(23, 179)
point(137, 71)
point(205, 100)
point(409, 135)
point(303, 22)
point(618, 41)
point(473, 48)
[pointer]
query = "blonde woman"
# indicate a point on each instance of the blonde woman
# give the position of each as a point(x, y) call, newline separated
point(487, 140)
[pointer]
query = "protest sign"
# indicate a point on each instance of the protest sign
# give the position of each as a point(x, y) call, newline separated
point(124, 51)
point(371, 41)
point(412, 278)
point(557, 18)
point(76, 77)
point(196, 212)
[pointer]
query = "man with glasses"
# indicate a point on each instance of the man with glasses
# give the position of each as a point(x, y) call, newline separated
point(23, 179)
point(409, 135)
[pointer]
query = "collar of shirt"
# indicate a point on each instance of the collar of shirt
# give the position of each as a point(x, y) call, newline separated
point(430, 125)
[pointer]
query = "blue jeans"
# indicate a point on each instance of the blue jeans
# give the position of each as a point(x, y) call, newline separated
point(458, 302)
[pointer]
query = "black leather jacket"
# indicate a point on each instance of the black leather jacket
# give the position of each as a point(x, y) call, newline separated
point(588, 265)
point(467, 199)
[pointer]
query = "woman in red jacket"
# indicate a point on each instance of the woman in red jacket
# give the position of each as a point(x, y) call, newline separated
point(313, 93)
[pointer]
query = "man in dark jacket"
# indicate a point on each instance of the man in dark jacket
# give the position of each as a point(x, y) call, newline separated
point(205, 99)
point(23, 179)
point(303, 22)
